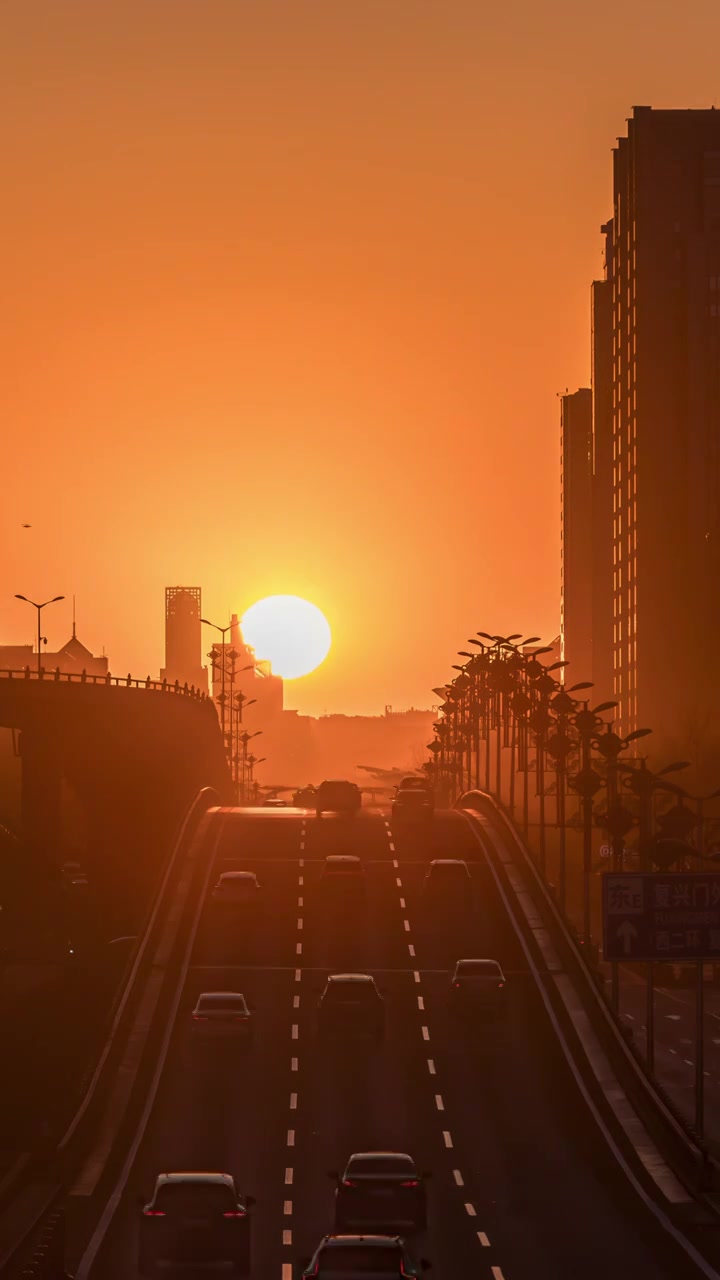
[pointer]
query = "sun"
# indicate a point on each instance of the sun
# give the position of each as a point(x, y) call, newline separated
point(288, 631)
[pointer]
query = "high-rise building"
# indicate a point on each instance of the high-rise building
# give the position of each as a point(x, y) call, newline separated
point(602, 479)
point(663, 432)
point(183, 638)
point(576, 545)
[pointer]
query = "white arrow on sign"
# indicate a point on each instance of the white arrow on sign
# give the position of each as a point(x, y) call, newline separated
point(626, 932)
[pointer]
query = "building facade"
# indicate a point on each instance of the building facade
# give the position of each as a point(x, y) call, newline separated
point(576, 540)
point(183, 638)
point(662, 435)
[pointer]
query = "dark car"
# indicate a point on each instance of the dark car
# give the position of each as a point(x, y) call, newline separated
point(222, 1015)
point(337, 796)
point(351, 1004)
point(380, 1190)
point(373, 1257)
point(235, 890)
point(447, 877)
point(412, 804)
point(343, 870)
point(478, 985)
point(194, 1218)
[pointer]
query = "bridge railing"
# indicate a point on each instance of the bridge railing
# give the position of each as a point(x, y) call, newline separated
point(125, 682)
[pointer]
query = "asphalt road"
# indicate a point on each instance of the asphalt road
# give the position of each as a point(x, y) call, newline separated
point(522, 1188)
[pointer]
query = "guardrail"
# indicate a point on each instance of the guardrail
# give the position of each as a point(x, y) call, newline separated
point(67, 1150)
point(691, 1152)
point(125, 682)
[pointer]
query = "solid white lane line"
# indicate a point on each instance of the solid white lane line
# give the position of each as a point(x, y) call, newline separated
point(411, 949)
point(293, 1102)
point(402, 903)
point(421, 1003)
point(296, 1002)
point(288, 1176)
point(458, 1178)
point(425, 1033)
point(483, 1240)
point(299, 923)
point(406, 925)
point(287, 1208)
point(470, 1209)
point(298, 974)
point(291, 1137)
point(431, 1067)
point(294, 1030)
point(293, 1064)
point(298, 948)
point(446, 1138)
point(416, 975)
point(439, 1102)
point(287, 1239)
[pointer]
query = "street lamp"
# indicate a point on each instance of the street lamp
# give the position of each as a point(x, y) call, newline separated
point(223, 632)
point(39, 608)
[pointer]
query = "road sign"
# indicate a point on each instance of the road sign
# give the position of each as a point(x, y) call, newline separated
point(661, 917)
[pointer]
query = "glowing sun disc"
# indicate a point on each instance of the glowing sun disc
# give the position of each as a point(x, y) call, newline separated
point(293, 634)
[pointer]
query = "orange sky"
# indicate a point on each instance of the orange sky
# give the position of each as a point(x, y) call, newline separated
point(289, 289)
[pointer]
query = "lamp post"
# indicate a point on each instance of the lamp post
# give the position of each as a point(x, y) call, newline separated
point(39, 608)
point(223, 632)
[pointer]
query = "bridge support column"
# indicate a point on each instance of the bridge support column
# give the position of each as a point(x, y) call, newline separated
point(41, 794)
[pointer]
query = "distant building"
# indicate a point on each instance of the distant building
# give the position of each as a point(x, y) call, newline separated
point(576, 532)
point(72, 659)
point(656, 432)
point(183, 638)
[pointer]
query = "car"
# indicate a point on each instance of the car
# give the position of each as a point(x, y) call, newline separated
point(220, 1015)
point(412, 804)
point(413, 782)
point(304, 797)
point(273, 802)
point(351, 1003)
point(366, 1257)
point(447, 876)
point(337, 796)
point(194, 1218)
point(236, 889)
point(478, 985)
point(343, 869)
point(380, 1189)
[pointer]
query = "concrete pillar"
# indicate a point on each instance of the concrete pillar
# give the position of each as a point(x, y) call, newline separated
point(41, 806)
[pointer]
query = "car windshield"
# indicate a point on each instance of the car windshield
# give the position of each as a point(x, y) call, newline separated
point(479, 969)
point(194, 1197)
point(448, 870)
point(237, 885)
point(370, 1261)
point(382, 1164)
point(218, 1001)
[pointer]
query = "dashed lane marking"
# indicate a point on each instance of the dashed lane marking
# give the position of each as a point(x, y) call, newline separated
point(298, 974)
point(447, 1138)
point(431, 1067)
point(287, 1208)
point(470, 1209)
point(421, 1003)
point(425, 1033)
point(406, 925)
point(301, 862)
point(288, 1177)
point(293, 1102)
point(458, 1178)
point(296, 1002)
point(411, 949)
point(300, 922)
point(287, 1239)
point(483, 1239)
point(416, 975)
point(402, 903)
point(287, 1271)
point(392, 847)
point(298, 948)
point(439, 1102)
point(294, 1030)
point(398, 882)
point(497, 1273)
point(293, 1064)
point(291, 1137)
point(395, 863)
point(300, 901)
point(301, 880)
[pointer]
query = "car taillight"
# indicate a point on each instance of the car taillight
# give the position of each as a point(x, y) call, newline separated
point(348, 1182)
point(500, 985)
point(199, 1017)
point(154, 1213)
point(411, 1182)
point(456, 985)
point(234, 1213)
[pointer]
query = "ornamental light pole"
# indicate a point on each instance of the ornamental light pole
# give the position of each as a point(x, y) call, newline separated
point(223, 632)
point(39, 608)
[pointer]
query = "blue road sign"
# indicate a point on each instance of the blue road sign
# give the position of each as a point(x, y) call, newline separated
point(661, 917)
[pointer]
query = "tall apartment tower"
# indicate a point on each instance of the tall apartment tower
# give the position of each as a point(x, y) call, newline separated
point(658, 446)
point(183, 638)
point(576, 533)
point(602, 478)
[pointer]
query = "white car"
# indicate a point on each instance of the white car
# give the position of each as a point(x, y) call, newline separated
point(220, 1015)
point(236, 888)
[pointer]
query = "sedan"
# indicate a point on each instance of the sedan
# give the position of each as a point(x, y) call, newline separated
point(352, 1005)
point(380, 1190)
point(236, 889)
point(194, 1218)
point(373, 1257)
point(478, 985)
point(222, 1015)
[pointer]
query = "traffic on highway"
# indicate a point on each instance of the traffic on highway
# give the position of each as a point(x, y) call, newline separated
point(360, 1078)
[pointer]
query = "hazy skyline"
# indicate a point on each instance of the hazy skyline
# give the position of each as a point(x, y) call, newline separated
point(290, 291)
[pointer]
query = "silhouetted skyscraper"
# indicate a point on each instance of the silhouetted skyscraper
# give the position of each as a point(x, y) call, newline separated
point(663, 433)
point(576, 532)
point(183, 640)
point(602, 482)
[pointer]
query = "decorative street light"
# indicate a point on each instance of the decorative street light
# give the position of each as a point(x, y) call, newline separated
point(39, 608)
